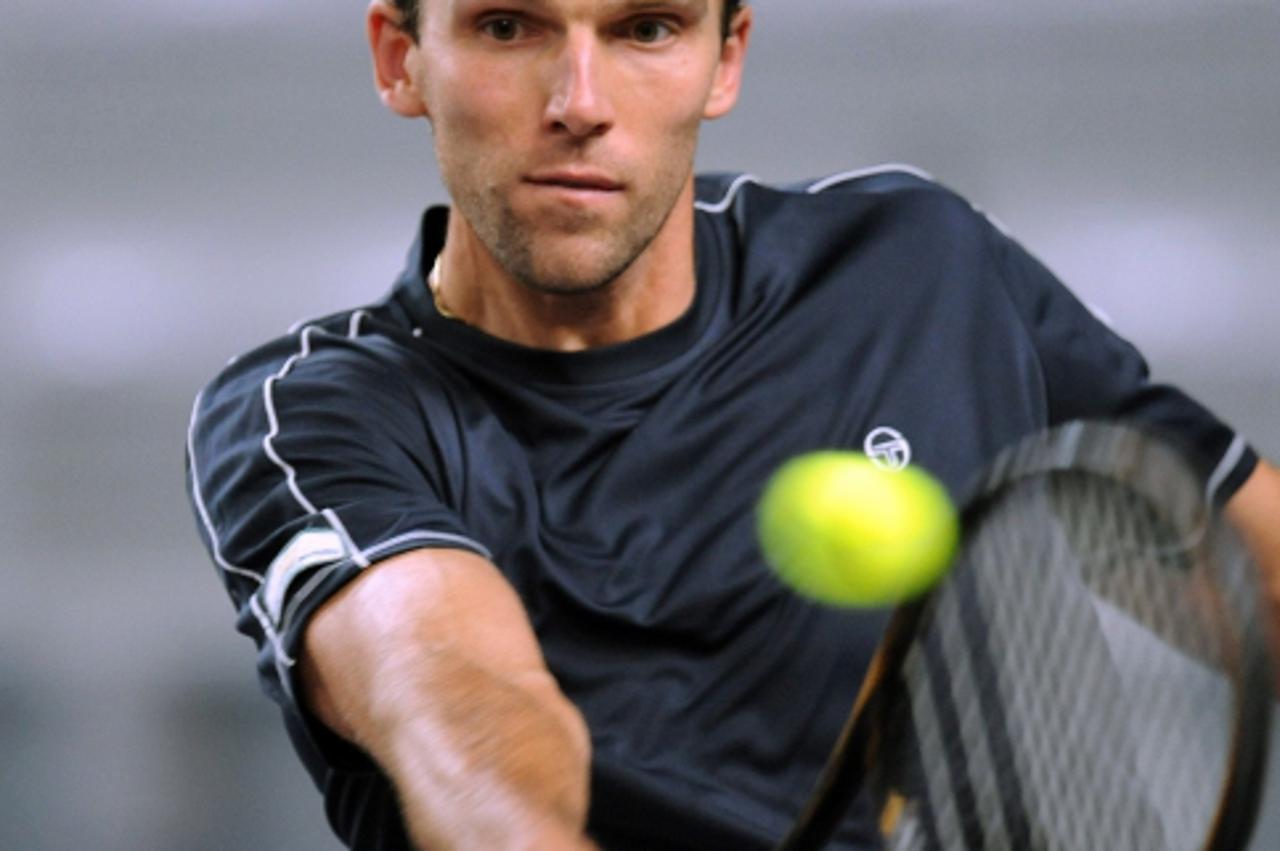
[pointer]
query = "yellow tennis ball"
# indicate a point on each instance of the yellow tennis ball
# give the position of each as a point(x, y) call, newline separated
point(841, 530)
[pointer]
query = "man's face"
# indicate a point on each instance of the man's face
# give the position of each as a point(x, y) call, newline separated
point(566, 129)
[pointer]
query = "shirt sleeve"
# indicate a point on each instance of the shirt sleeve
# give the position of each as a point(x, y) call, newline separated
point(307, 461)
point(1090, 372)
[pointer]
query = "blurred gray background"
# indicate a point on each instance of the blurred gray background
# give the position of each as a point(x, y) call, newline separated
point(184, 178)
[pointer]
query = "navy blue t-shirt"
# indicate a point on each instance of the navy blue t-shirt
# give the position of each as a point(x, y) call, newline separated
point(615, 487)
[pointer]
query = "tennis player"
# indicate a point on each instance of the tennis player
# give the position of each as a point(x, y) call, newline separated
point(493, 533)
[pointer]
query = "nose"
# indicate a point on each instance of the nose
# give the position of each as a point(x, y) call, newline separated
point(580, 104)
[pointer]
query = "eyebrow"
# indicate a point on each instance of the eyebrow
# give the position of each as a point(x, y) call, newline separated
point(692, 7)
point(696, 7)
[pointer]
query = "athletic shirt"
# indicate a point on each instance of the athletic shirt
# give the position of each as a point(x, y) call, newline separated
point(615, 488)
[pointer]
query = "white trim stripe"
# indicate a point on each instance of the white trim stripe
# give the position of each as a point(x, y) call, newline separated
point(362, 559)
point(277, 646)
point(290, 474)
point(291, 610)
point(198, 499)
point(996, 223)
point(353, 327)
point(427, 538)
point(726, 201)
point(350, 545)
point(273, 420)
point(846, 176)
point(730, 193)
point(1225, 467)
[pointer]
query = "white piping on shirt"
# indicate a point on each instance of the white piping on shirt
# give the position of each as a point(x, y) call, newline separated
point(353, 327)
point(1229, 459)
point(846, 176)
point(350, 545)
point(726, 201)
point(427, 537)
point(273, 421)
point(1225, 467)
point(361, 558)
point(198, 499)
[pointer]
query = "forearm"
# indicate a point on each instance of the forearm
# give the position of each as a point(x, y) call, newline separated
point(1255, 511)
point(454, 703)
point(481, 761)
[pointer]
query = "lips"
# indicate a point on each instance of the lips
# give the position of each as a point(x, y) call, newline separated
point(582, 181)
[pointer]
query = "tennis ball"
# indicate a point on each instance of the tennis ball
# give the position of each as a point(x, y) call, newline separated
point(840, 530)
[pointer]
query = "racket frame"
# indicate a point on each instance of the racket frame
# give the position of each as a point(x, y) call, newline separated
point(1147, 464)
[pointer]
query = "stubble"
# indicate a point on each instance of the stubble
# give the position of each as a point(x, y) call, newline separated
point(567, 251)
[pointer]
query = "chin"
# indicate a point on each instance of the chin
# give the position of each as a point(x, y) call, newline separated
point(569, 282)
point(576, 271)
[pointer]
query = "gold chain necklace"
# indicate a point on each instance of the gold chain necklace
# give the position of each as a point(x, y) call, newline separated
point(433, 283)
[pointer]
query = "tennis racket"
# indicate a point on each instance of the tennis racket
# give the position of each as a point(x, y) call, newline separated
point(1090, 675)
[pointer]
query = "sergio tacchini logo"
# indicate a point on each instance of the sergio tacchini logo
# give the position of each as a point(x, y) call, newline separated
point(887, 448)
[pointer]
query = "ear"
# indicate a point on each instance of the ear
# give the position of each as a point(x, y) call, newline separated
point(733, 55)
point(394, 53)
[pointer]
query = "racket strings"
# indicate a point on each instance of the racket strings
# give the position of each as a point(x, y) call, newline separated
point(1130, 555)
point(1072, 684)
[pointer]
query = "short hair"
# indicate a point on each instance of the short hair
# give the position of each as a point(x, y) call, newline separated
point(409, 9)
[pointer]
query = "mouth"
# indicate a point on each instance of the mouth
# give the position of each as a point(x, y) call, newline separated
point(575, 181)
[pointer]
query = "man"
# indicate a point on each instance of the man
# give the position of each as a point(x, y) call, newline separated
point(493, 534)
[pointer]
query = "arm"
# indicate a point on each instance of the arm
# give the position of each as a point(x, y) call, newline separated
point(1255, 511)
point(429, 663)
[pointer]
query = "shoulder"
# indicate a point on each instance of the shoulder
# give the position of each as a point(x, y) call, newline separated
point(343, 412)
point(358, 345)
point(888, 209)
point(342, 369)
point(892, 185)
point(893, 222)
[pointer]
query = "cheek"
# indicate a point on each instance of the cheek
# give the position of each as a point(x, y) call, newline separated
point(673, 105)
point(472, 148)
point(474, 107)
point(673, 127)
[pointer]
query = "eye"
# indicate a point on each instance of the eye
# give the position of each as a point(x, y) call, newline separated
point(502, 29)
point(650, 30)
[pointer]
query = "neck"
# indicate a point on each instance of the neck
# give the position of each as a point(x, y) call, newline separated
point(654, 291)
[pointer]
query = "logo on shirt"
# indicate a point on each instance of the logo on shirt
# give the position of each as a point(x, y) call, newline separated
point(887, 448)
